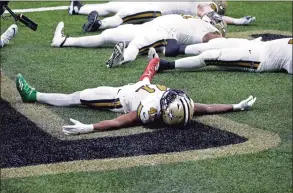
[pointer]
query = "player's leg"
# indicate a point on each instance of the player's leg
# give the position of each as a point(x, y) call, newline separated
point(104, 9)
point(30, 95)
point(103, 97)
point(100, 97)
point(8, 35)
point(60, 40)
point(133, 14)
point(150, 36)
point(238, 58)
point(107, 38)
point(152, 66)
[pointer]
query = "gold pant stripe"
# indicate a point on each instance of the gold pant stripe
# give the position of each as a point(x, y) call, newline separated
point(155, 45)
point(113, 104)
point(244, 64)
point(141, 16)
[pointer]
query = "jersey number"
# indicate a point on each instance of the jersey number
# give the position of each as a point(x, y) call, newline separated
point(152, 90)
point(152, 112)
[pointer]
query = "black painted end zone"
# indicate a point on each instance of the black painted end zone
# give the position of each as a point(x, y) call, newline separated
point(24, 144)
point(268, 37)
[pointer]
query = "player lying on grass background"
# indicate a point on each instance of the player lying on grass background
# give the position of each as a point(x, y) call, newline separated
point(141, 37)
point(233, 53)
point(139, 12)
point(142, 103)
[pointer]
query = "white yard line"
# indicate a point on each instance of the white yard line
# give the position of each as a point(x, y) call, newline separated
point(39, 9)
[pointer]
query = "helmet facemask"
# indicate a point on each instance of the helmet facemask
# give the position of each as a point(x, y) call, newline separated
point(177, 108)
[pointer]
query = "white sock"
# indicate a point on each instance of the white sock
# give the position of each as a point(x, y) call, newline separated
point(111, 22)
point(190, 62)
point(56, 99)
point(85, 42)
point(102, 9)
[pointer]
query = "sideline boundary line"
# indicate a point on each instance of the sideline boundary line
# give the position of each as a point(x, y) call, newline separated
point(38, 9)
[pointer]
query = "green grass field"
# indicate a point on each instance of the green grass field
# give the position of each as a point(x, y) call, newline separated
point(69, 69)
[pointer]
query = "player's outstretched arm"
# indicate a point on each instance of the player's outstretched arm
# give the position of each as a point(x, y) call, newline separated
point(240, 21)
point(222, 108)
point(122, 121)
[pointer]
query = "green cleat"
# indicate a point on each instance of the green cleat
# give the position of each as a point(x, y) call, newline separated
point(27, 93)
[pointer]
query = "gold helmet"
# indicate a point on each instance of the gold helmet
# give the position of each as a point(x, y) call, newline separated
point(177, 108)
point(219, 6)
point(216, 20)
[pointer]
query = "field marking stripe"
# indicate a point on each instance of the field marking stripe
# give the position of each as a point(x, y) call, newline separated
point(258, 140)
point(39, 9)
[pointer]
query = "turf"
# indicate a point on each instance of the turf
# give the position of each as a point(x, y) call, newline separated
point(67, 70)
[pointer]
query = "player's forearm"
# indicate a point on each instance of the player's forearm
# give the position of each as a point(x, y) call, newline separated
point(106, 124)
point(229, 20)
point(212, 108)
point(122, 121)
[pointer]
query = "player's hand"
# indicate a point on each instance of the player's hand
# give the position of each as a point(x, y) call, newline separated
point(245, 20)
point(77, 128)
point(245, 104)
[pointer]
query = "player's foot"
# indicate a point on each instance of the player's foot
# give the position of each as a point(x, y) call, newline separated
point(27, 93)
point(93, 23)
point(8, 34)
point(117, 55)
point(74, 7)
point(59, 37)
point(152, 53)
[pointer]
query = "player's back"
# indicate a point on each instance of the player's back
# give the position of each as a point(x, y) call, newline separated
point(192, 31)
point(178, 7)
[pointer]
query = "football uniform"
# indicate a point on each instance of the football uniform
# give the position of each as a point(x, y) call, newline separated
point(276, 55)
point(140, 12)
point(248, 55)
point(142, 97)
point(155, 33)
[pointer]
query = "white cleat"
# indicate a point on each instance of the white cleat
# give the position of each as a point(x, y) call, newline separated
point(74, 7)
point(152, 54)
point(8, 34)
point(59, 37)
point(117, 55)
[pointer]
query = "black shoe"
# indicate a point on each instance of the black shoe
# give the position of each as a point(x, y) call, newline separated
point(74, 7)
point(93, 23)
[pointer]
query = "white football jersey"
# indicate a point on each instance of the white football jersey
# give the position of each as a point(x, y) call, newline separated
point(276, 55)
point(143, 98)
point(185, 31)
point(189, 8)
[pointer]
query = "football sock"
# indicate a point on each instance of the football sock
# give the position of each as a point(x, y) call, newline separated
point(85, 42)
point(111, 22)
point(190, 62)
point(59, 99)
point(150, 70)
point(166, 65)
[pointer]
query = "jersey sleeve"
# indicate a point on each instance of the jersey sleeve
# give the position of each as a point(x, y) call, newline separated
point(147, 113)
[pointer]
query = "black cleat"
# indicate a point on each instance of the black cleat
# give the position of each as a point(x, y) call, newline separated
point(93, 23)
